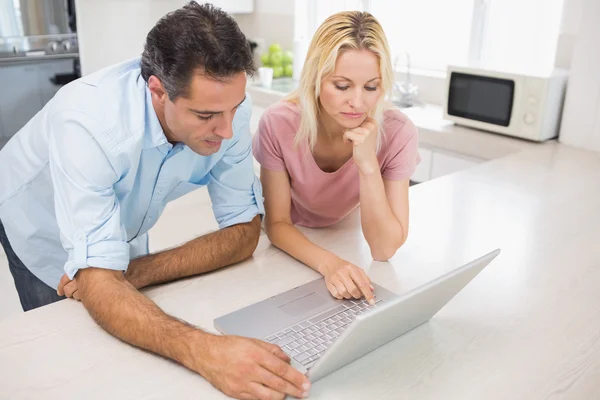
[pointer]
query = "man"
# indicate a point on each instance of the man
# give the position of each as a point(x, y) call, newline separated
point(88, 176)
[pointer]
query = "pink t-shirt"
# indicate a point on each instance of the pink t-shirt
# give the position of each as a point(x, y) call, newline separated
point(323, 198)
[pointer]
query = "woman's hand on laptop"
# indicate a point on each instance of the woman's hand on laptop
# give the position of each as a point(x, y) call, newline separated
point(251, 369)
point(346, 281)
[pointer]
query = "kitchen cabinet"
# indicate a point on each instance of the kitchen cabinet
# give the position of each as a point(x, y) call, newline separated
point(3, 138)
point(444, 163)
point(48, 70)
point(26, 88)
point(435, 163)
point(423, 171)
point(20, 97)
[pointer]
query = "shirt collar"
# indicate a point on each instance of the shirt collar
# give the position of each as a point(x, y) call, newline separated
point(154, 135)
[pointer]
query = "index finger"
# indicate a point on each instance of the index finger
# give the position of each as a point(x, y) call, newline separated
point(284, 370)
point(364, 284)
point(63, 281)
point(274, 349)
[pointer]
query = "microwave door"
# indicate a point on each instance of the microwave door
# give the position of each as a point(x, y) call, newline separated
point(481, 98)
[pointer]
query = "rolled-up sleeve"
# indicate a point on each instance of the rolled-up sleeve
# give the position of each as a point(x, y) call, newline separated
point(87, 209)
point(235, 191)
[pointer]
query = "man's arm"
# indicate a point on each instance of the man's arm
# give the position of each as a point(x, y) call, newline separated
point(206, 253)
point(237, 366)
point(127, 314)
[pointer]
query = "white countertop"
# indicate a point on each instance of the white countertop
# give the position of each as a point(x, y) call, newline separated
point(528, 327)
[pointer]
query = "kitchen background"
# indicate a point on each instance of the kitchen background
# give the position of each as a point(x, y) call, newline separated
point(45, 44)
point(38, 54)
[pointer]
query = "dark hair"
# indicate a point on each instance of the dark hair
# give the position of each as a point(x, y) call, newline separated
point(195, 39)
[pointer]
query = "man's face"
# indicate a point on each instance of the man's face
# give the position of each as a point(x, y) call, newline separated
point(204, 117)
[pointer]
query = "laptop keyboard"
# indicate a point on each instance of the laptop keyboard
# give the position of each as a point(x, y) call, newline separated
point(306, 341)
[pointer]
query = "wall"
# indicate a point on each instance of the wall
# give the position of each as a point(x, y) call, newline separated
point(581, 117)
point(111, 31)
point(271, 22)
point(432, 86)
point(569, 27)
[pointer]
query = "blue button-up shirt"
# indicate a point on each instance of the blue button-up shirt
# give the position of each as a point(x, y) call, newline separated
point(83, 182)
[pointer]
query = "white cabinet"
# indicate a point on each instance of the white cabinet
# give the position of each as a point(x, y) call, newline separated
point(423, 170)
point(445, 163)
point(435, 163)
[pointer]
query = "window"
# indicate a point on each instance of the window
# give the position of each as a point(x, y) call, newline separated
point(434, 33)
point(502, 34)
point(10, 19)
point(521, 34)
point(309, 14)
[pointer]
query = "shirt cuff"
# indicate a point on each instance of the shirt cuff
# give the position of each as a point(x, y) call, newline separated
point(228, 215)
point(107, 254)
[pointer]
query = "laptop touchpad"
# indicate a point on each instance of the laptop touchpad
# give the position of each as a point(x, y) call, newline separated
point(303, 304)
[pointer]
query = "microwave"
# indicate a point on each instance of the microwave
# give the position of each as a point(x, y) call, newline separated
point(519, 105)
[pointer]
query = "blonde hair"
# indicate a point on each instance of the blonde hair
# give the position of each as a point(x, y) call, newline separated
point(347, 30)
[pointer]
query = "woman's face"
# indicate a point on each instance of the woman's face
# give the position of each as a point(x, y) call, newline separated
point(353, 89)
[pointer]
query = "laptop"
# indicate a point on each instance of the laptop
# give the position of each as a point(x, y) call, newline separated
point(321, 334)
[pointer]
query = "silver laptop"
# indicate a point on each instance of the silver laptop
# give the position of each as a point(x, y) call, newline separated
point(322, 334)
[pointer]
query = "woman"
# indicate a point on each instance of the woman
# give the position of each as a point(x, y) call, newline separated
point(336, 143)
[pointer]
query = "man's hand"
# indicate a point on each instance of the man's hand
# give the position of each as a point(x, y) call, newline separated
point(240, 367)
point(250, 369)
point(68, 287)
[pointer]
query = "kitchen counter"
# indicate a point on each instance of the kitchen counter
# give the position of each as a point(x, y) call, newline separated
point(525, 328)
